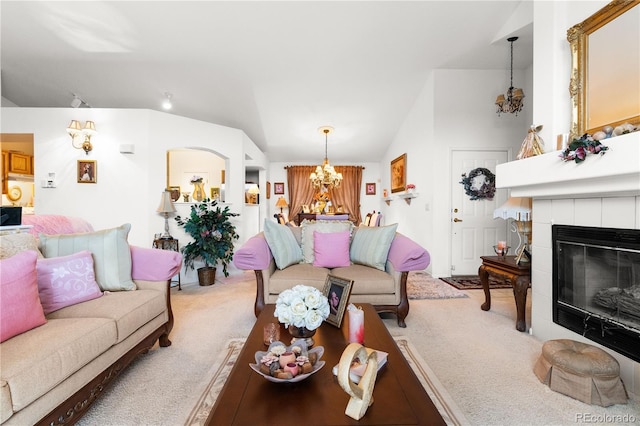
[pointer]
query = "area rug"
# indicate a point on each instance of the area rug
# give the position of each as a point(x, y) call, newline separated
point(421, 285)
point(220, 371)
point(472, 282)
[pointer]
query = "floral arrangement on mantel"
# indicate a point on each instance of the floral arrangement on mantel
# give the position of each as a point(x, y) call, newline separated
point(212, 232)
point(302, 306)
point(286, 363)
point(579, 148)
point(196, 179)
point(410, 187)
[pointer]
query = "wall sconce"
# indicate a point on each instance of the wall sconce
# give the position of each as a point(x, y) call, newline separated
point(77, 132)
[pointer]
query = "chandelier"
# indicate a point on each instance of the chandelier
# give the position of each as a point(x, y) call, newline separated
point(326, 175)
point(513, 101)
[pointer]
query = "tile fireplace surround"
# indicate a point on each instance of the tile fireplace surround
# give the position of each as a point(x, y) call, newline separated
point(603, 191)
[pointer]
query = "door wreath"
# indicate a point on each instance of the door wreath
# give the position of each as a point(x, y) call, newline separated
point(480, 183)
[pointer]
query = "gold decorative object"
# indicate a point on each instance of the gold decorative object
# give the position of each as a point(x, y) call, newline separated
point(361, 393)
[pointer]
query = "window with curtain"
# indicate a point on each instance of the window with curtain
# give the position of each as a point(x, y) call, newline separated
point(348, 194)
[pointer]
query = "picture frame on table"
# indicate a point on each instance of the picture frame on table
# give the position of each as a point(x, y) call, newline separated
point(87, 171)
point(370, 188)
point(278, 188)
point(338, 291)
point(175, 192)
point(306, 208)
point(399, 173)
point(215, 193)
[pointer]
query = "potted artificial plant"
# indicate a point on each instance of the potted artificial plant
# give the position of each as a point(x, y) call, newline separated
point(213, 235)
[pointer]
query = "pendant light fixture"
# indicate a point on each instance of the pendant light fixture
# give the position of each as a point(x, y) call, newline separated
point(326, 175)
point(512, 103)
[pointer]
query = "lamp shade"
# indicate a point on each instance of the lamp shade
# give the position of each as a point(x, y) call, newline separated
point(253, 189)
point(74, 127)
point(281, 202)
point(166, 205)
point(518, 208)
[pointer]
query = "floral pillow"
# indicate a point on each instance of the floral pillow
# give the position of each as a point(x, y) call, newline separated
point(66, 280)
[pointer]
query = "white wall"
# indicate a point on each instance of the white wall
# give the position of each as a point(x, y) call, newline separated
point(129, 185)
point(455, 110)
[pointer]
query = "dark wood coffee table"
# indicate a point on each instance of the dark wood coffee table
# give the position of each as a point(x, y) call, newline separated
point(248, 399)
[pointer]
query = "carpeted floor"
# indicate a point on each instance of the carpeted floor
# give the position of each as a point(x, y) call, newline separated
point(421, 285)
point(479, 357)
point(472, 282)
point(221, 369)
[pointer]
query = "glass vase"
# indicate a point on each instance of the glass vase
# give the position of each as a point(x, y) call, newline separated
point(302, 333)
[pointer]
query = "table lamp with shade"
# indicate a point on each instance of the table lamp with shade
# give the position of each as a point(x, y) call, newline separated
point(518, 209)
point(166, 206)
point(282, 203)
point(253, 192)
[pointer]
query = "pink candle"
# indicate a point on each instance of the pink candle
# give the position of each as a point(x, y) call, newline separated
point(356, 326)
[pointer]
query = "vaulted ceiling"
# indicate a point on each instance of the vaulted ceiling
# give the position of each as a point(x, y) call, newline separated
point(277, 70)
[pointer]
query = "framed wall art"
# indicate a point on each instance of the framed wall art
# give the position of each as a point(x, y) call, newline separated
point(87, 171)
point(370, 188)
point(337, 290)
point(399, 173)
point(278, 188)
point(268, 190)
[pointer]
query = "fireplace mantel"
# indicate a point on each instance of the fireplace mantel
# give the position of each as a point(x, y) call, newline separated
point(615, 174)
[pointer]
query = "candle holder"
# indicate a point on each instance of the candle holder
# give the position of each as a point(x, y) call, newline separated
point(502, 252)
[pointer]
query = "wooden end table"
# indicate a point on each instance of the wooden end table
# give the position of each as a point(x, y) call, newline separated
point(249, 399)
point(519, 276)
point(168, 244)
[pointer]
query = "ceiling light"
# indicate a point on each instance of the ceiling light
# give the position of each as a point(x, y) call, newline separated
point(512, 103)
point(167, 104)
point(326, 175)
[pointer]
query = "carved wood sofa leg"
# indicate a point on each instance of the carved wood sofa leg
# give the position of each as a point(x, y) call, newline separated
point(163, 340)
point(403, 307)
point(259, 304)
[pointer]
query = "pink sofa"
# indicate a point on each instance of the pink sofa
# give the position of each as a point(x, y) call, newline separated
point(52, 373)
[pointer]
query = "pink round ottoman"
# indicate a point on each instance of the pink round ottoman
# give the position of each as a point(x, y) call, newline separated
point(581, 371)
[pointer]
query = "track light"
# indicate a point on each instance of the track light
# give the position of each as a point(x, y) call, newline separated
point(167, 104)
point(77, 102)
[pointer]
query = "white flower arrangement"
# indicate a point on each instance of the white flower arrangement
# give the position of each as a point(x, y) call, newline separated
point(302, 306)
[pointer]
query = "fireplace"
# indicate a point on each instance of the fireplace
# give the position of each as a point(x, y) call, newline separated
point(596, 285)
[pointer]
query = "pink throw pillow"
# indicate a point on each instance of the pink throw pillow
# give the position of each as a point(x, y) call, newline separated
point(66, 280)
point(331, 250)
point(20, 308)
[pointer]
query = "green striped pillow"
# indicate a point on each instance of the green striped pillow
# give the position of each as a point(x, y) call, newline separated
point(370, 245)
point(282, 243)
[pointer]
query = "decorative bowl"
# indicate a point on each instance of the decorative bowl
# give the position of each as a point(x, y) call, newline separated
point(319, 351)
point(501, 252)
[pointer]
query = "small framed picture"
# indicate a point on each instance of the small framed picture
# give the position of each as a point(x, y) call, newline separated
point(87, 171)
point(268, 190)
point(278, 188)
point(175, 193)
point(306, 208)
point(215, 193)
point(337, 290)
point(371, 188)
point(399, 173)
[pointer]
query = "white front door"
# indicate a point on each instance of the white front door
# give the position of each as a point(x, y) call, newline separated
point(474, 230)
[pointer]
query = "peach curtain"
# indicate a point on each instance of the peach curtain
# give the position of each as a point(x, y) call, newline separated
point(348, 194)
point(300, 189)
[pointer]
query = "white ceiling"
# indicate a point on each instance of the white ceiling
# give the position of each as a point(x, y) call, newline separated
point(277, 70)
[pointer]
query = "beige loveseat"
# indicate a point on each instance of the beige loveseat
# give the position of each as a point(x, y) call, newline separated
point(384, 288)
point(51, 374)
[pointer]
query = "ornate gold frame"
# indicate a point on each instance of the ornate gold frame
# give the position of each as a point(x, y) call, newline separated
point(578, 37)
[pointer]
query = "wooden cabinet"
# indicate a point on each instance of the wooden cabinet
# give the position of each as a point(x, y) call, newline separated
point(20, 163)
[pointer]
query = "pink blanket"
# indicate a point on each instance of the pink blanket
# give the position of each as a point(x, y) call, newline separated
point(52, 224)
